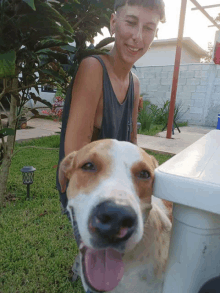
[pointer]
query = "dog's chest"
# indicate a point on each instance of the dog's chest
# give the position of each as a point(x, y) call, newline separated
point(140, 279)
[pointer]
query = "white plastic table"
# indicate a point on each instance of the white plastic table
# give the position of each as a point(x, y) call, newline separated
point(191, 180)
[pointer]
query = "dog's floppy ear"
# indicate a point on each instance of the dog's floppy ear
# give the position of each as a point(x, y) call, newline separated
point(65, 170)
point(155, 163)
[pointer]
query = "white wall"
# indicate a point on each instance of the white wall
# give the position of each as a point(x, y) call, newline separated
point(188, 57)
point(198, 90)
point(165, 55)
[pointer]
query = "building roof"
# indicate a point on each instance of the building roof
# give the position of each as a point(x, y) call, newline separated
point(187, 42)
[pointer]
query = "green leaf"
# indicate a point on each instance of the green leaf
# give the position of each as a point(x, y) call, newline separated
point(48, 43)
point(53, 74)
point(45, 22)
point(44, 51)
point(43, 60)
point(6, 132)
point(104, 42)
point(97, 4)
point(30, 3)
point(7, 64)
point(67, 8)
point(61, 57)
point(51, 12)
point(69, 48)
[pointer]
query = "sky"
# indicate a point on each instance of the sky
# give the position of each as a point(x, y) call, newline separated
point(196, 23)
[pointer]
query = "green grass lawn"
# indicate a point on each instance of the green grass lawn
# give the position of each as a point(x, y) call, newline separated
point(37, 247)
point(154, 129)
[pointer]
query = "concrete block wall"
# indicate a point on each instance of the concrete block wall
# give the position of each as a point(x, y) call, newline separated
point(198, 90)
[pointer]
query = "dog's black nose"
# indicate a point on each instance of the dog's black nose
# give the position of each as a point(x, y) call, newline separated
point(113, 222)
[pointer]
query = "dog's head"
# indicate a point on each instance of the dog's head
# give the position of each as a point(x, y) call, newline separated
point(110, 185)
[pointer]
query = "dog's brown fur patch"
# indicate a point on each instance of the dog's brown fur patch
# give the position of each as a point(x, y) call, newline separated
point(85, 181)
point(169, 206)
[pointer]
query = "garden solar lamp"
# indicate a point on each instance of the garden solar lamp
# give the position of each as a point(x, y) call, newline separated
point(28, 177)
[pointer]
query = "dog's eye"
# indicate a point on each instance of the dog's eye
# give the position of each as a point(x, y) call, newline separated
point(88, 167)
point(144, 174)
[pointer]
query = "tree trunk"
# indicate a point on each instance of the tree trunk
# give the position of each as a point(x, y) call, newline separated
point(7, 154)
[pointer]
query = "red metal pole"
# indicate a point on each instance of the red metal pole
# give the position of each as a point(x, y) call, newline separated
point(176, 68)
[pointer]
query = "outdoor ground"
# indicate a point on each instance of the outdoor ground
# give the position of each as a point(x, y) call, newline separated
point(37, 247)
point(154, 140)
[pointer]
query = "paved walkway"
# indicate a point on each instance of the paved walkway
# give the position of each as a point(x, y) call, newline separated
point(40, 128)
point(158, 143)
point(179, 141)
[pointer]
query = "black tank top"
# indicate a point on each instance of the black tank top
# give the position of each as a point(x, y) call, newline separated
point(116, 121)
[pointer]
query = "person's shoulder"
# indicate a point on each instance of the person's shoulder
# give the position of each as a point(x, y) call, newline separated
point(89, 71)
point(136, 85)
point(91, 63)
point(135, 79)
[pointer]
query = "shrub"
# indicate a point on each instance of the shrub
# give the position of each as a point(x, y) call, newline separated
point(57, 109)
point(153, 114)
point(163, 113)
point(59, 93)
point(146, 116)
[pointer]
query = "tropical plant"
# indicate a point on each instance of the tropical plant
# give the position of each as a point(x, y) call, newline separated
point(154, 114)
point(26, 28)
point(35, 38)
point(162, 113)
point(87, 18)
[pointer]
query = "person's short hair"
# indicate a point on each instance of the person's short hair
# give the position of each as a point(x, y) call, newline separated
point(157, 5)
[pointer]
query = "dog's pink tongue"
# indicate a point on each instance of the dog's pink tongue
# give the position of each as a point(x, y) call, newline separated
point(104, 268)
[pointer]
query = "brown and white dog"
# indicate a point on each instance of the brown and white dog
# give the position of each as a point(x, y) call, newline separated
point(125, 231)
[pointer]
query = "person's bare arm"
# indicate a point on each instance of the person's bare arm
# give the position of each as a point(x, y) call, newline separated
point(86, 92)
point(135, 109)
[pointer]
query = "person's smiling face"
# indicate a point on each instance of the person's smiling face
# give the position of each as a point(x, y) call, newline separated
point(135, 28)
